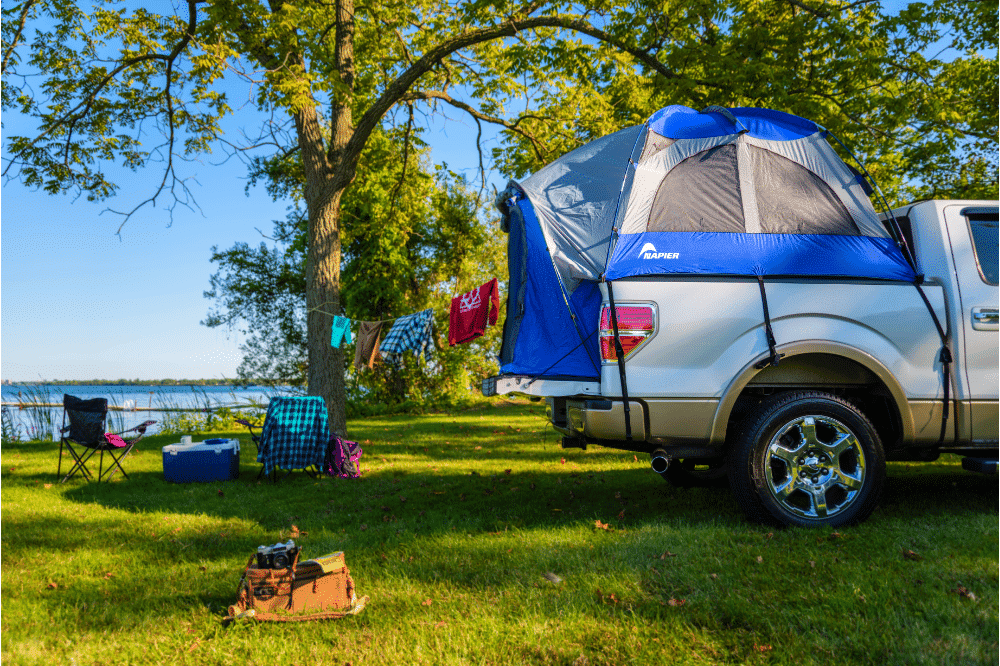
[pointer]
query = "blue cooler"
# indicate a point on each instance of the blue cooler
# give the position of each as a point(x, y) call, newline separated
point(211, 460)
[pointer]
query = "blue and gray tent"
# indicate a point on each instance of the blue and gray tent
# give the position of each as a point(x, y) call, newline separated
point(725, 192)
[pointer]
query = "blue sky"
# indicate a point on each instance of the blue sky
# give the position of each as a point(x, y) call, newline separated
point(79, 302)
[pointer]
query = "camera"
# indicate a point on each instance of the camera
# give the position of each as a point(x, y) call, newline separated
point(278, 556)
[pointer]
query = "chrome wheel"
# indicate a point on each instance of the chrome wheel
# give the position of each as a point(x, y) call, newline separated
point(814, 467)
point(807, 458)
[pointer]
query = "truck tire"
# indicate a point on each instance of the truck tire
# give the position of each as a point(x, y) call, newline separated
point(697, 473)
point(807, 458)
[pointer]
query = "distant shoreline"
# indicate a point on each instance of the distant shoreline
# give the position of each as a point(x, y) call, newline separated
point(130, 382)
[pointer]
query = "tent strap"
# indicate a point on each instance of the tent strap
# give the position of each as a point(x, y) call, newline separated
point(620, 354)
point(945, 358)
point(771, 344)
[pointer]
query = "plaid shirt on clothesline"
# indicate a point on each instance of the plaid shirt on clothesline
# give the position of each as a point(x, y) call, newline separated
point(295, 433)
point(409, 332)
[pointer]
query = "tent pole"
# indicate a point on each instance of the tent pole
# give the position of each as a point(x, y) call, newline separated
point(620, 354)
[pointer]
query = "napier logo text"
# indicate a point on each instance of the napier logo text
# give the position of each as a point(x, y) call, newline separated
point(648, 251)
point(470, 300)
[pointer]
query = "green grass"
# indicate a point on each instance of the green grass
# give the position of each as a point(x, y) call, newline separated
point(450, 531)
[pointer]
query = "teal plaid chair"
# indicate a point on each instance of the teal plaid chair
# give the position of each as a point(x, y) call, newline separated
point(295, 436)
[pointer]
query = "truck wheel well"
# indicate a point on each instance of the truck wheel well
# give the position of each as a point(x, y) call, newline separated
point(829, 373)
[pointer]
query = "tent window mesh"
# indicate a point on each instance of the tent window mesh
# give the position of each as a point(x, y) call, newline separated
point(702, 193)
point(793, 200)
point(654, 144)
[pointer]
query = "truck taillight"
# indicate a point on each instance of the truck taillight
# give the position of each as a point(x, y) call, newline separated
point(636, 324)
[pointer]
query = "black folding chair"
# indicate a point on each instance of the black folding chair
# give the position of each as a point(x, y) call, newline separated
point(84, 436)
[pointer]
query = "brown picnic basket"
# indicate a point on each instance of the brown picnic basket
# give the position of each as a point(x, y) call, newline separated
point(319, 589)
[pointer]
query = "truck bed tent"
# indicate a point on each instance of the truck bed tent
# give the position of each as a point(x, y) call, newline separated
point(737, 192)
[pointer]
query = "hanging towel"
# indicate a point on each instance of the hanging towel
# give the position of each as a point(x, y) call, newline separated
point(472, 312)
point(412, 332)
point(340, 331)
point(366, 351)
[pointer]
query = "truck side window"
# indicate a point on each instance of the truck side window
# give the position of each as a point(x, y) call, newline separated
point(983, 228)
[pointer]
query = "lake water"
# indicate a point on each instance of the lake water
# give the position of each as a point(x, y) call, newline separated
point(137, 401)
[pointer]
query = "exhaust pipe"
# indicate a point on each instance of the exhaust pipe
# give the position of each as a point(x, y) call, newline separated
point(659, 461)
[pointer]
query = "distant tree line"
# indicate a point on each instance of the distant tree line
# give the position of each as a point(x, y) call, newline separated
point(135, 382)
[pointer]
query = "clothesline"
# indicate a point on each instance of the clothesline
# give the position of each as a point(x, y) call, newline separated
point(470, 314)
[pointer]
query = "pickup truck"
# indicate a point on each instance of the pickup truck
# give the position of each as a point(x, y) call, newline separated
point(715, 288)
point(859, 380)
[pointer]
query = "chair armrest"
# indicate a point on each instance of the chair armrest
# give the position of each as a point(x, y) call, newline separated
point(141, 428)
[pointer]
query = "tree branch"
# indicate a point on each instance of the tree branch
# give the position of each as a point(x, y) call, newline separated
point(427, 95)
point(9, 51)
point(396, 91)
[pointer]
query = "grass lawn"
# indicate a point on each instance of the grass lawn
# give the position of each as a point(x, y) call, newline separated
point(451, 530)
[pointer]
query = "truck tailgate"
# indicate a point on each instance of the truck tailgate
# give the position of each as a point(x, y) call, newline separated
point(540, 387)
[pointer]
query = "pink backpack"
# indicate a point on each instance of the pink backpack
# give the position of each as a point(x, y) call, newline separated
point(342, 458)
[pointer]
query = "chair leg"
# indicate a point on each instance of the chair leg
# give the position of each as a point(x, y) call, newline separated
point(79, 464)
point(116, 465)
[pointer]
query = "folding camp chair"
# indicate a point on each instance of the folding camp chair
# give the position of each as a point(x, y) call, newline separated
point(295, 436)
point(85, 435)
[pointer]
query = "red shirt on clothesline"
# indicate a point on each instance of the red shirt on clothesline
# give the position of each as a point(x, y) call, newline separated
point(472, 312)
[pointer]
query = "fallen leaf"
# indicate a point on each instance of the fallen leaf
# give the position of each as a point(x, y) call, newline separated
point(759, 559)
point(667, 554)
point(963, 592)
point(675, 602)
point(713, 576)
point(426, 603)
point(552, 578)
point(910, 555)
point(812, 564)
point(364, 527)
point(477, 448)
point(835, 536)
point(203, 568)
point(441, 624)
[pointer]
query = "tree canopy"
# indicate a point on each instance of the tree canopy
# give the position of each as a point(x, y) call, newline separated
point(114, 82)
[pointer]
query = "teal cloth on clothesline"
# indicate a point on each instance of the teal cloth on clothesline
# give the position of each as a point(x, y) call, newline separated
point(340, 331)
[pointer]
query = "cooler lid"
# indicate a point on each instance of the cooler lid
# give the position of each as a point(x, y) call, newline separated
point(213, 445)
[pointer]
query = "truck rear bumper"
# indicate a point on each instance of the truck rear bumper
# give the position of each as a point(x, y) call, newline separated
point(655, 423)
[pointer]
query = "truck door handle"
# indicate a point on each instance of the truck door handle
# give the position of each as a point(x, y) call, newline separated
point(985, 319)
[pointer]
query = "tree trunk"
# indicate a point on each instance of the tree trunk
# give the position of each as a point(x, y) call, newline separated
point(326, 363)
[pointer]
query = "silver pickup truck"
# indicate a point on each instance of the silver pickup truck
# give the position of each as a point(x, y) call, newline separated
point(792, 388)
